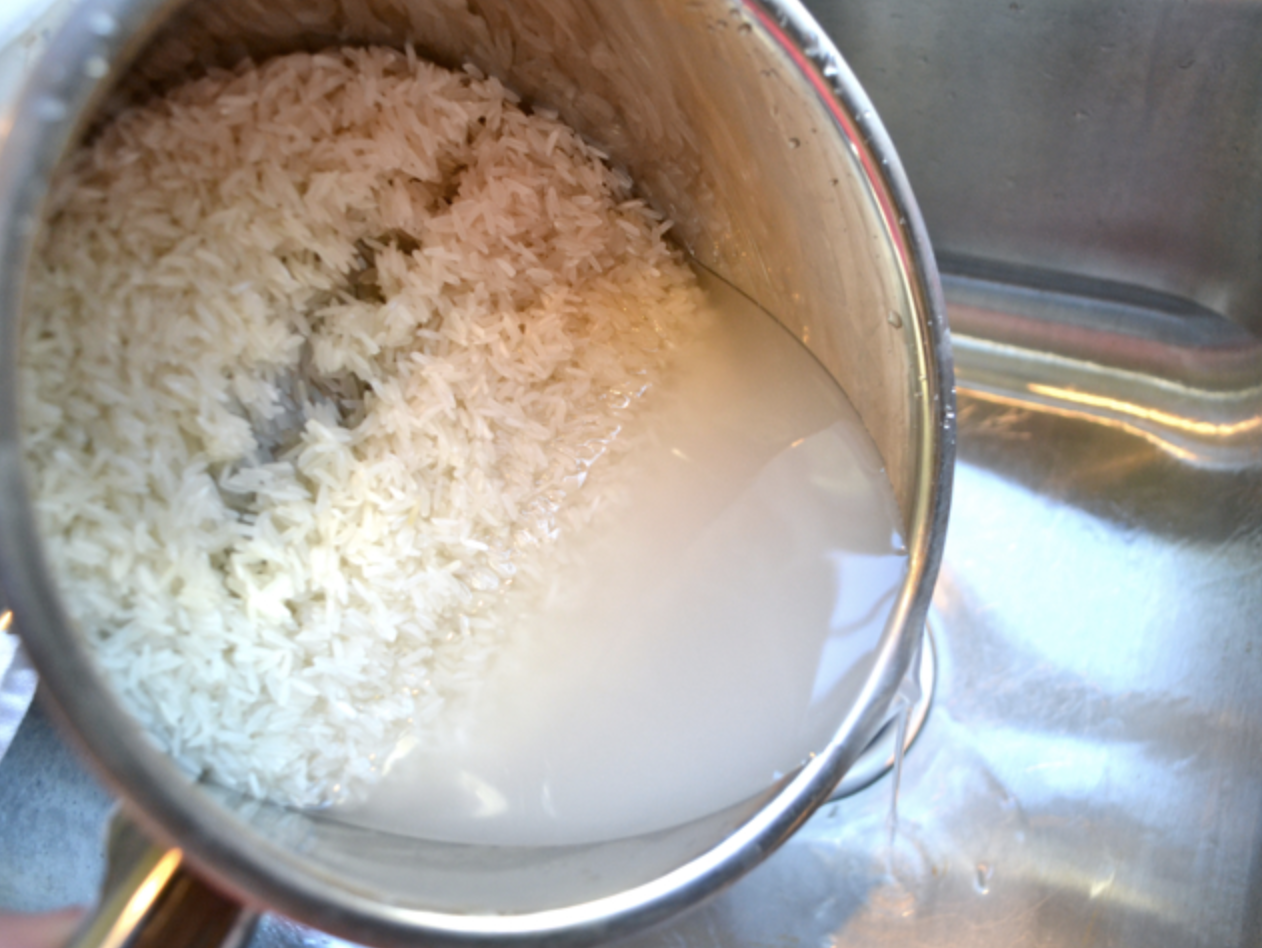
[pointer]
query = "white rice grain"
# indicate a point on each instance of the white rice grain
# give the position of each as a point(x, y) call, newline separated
point(316, 356)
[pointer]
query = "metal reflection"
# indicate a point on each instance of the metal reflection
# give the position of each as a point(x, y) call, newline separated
point(1154, 416)
point(1153, 438)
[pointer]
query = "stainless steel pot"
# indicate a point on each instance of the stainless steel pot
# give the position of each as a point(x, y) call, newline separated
point(739, 120)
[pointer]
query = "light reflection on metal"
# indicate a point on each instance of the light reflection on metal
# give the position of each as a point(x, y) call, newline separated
point(139, 900)
point(151, 887)
point(1155, 416)
point(1208, 428)
point(1016, 401)
point(1159, 367)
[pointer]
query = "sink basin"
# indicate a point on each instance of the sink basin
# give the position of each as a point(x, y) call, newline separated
point(1088, 773)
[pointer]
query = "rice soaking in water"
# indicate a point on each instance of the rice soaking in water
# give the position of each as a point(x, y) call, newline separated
point(392, 461)
point(696, 644)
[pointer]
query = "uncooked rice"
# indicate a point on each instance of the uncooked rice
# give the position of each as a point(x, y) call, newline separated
point(317, 354)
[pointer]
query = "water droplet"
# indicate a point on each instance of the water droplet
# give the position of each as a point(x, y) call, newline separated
point(981, 879)
point(892, 900)
point(903, 871)
point(744, 28)
point(894, 320)
point(795, 143)
point(102, 24)
point(96, 67)
point(50, 109)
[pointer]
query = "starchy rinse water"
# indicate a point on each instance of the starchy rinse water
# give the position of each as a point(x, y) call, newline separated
point(696, 644)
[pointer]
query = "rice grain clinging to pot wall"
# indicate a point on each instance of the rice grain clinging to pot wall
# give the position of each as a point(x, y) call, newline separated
point(316, 355)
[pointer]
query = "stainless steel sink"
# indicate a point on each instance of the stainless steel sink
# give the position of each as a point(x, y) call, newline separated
point(1090, 772)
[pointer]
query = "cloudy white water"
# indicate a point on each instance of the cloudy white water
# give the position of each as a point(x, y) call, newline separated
point(704, 641)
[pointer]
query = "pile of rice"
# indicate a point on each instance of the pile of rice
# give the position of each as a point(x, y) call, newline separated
point(317, 355)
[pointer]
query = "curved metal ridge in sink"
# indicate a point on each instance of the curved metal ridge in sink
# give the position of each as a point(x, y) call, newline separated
point(1197, 427)
point(1157, 325)
point(1188, 382)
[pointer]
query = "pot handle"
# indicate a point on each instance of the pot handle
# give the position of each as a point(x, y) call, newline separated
point(151, 900)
